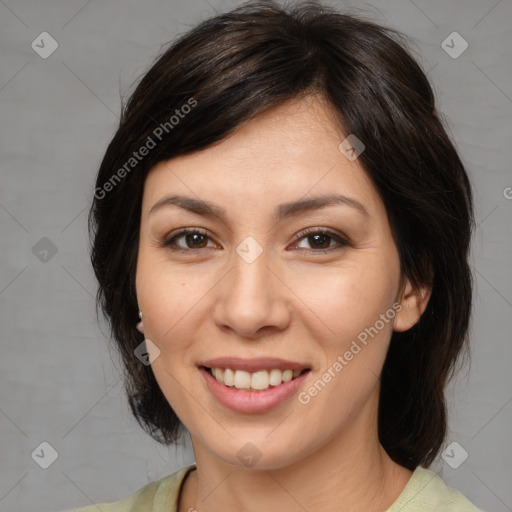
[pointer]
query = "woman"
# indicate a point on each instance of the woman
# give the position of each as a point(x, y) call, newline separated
point(284, 212)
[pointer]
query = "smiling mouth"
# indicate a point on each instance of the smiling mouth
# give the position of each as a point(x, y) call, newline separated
point(253, 381)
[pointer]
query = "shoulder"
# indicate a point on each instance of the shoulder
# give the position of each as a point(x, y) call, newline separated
point(161, 495)
point(426, 492)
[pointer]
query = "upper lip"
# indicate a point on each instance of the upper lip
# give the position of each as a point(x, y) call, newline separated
point(253, 365)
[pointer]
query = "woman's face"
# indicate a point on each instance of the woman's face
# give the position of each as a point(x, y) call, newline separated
point(250, 286)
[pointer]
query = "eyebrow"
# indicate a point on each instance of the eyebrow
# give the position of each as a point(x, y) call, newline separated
point(282, 211)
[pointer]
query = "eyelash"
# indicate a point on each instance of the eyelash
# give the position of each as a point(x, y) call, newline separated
point(306, 233)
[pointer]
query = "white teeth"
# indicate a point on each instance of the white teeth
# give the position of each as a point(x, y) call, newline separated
point(229, 376)
point(242, 380)
point(287, 375)
point(275, 377)
point(217, 373)
point(257, 381)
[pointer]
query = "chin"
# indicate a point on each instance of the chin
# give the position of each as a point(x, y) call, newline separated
point(253, 452)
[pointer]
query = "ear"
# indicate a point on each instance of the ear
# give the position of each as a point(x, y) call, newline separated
point(413, 302)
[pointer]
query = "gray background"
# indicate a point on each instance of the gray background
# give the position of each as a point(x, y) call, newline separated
point(60, 383)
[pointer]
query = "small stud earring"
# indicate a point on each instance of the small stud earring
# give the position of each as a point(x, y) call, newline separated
point(140, 326)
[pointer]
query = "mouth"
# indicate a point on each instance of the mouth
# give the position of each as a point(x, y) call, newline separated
point(253, 386)
point(257, 381)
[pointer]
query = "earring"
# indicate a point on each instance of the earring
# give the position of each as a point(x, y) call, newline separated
point(140, 326)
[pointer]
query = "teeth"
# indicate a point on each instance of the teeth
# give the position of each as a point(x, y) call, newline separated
point(287, 375)
point(217, 373)
point(257, 381)
point(275, 377)
point(242, 380)
point(229, 376)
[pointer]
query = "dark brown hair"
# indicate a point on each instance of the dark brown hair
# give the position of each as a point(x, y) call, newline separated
point(235, 66)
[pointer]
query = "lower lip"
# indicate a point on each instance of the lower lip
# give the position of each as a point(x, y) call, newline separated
point(252, 401)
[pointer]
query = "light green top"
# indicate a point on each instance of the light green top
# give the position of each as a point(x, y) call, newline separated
point(425, 492)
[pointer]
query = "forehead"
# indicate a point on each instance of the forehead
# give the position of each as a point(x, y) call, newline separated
point(285, 154)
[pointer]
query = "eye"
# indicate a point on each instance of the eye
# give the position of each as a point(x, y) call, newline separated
point(320, 240)
point(194, 238)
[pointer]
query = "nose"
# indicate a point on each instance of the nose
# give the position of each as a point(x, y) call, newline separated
point(252, 300)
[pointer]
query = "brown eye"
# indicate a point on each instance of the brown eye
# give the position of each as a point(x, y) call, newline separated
point(193, 239)
point(321, 240)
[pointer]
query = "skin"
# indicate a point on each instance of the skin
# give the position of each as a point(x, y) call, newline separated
point(294, 301)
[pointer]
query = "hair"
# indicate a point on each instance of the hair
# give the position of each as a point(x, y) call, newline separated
point(235, 66)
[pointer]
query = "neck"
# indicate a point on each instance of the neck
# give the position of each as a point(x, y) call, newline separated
point(352, 472)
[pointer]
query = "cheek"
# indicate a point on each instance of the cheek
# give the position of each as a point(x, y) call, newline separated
point(351, 334)
point(168, 297)
point(349, 298)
